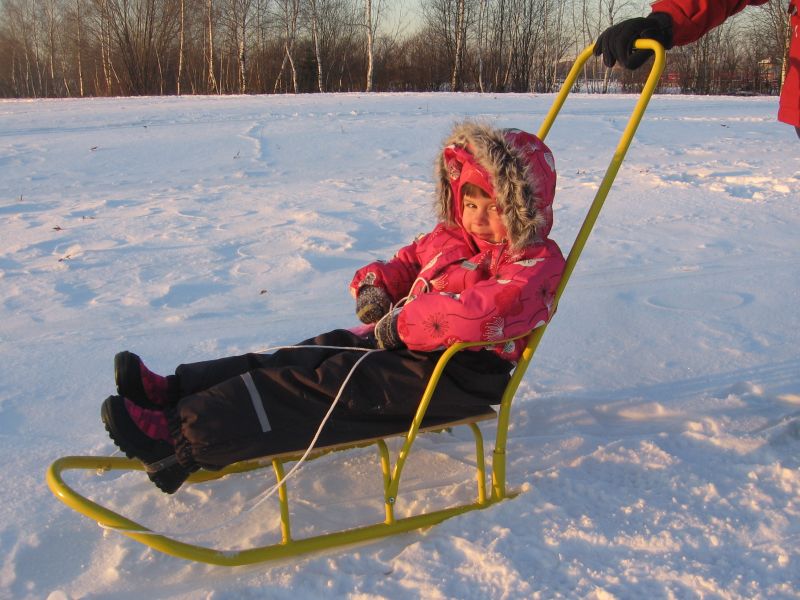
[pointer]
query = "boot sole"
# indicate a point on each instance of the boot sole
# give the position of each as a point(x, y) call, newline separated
point(161, 463)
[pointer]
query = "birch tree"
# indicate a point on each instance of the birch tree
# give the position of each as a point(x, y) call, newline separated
point(181, 39)
point(315, 34)
point(79, 44)
point(481, 42)
point(237, 16)
point(370, 43)
point(209, 48)
point(288, 15)
point(460, 35)
point(372, 16)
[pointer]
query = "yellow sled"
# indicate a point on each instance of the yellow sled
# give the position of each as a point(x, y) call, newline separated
point(288, 545)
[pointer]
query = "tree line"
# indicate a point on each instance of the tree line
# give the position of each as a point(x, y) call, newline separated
point(77, 48)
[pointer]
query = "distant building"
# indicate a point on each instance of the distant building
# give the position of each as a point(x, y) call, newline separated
point(770, 71)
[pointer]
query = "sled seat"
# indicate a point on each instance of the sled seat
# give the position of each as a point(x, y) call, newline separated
point(288, 546)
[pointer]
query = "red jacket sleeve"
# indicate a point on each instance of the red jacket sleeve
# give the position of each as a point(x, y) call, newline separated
point(395, 276)
point(516, 299)
point(693, 18)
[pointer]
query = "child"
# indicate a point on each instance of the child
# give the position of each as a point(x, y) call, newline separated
point(486, 272)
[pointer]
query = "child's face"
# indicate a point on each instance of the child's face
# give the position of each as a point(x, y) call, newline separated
point(480, 215)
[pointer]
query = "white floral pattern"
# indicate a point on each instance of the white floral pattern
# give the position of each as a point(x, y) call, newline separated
point(493, 329)
point(528, 262)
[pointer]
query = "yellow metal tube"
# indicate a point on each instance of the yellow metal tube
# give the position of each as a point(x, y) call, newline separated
point(422, 408)
point(283, 501)
point(386, 466)
point(480, 462)
point(134, 530)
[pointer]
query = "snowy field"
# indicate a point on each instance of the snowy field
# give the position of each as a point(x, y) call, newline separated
point(656, 437)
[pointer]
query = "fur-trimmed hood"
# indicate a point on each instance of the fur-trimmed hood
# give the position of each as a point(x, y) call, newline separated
point(521, 176)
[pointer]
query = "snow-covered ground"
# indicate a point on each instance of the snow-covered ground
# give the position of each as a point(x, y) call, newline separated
point(656, 437)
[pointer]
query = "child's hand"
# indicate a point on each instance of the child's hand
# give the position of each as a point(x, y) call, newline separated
point(371, 304)
point(386, 332)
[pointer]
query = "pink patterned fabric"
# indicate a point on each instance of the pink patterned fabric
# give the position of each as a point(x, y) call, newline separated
point(483, 295)
point(153, 423)
point(155, 386)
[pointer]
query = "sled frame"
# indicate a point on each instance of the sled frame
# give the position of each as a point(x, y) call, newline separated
point(288, 546)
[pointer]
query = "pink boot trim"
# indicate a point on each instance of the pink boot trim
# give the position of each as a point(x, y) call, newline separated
point(152, 423)
point(155, 386)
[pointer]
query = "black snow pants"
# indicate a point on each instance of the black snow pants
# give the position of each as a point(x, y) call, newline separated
point(242, 407)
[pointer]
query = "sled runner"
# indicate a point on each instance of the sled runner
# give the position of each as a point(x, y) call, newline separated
point(289, 545)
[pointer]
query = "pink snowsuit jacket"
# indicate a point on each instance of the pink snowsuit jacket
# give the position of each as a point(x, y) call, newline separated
point(462, 288)
point(691, 19)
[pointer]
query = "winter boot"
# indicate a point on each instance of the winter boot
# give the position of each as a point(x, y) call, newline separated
point(138, 383)
point(128, 426)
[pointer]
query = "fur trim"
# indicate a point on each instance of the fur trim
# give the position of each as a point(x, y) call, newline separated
point(518, 192)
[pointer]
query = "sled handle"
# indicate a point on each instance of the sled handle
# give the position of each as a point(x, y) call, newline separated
point(644, 98)
point(503, 417)
point(620, 152)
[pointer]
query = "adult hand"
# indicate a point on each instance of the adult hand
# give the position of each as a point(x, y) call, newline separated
point(616, 42)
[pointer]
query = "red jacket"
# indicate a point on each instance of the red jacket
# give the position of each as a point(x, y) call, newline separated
point(466, 294)
point(461, 288)
point(693, 18)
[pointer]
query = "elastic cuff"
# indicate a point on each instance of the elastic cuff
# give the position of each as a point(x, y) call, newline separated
point(183, 448)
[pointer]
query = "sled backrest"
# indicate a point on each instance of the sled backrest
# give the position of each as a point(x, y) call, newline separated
point(534, 337)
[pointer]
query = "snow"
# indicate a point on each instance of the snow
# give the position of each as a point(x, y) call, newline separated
point(655, 439)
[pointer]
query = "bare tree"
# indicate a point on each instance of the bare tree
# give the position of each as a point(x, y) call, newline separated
point(338, 30)
point(17, 30)
point(498, 42)
point(79, 45)
point(313, 7)
point(370, 33)
point(770, 25)
point(555, 42)
point(49, 8)
point(211, 78)
point(142, 32)
point(181, 40)
point(481, 42)
point(443, 20)
point(373, 11)
point(288, 15)
point(460, 35)
point(237, 17)
point(103, 47)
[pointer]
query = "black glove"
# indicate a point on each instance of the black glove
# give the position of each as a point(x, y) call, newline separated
point(371, 304)
point(386, 332)
point(616, 42)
